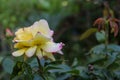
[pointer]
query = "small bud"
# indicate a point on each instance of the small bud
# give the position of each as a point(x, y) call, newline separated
point(9, 33)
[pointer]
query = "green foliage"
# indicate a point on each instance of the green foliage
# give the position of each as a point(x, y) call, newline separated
point(22, 71)
point(107, 59)
point(10, 10)
point(52, 10)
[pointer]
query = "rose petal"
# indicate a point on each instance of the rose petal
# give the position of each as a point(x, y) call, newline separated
point(49, 55)
point(39, 39)
point(39, 53)
point(42, 27)
point(23, 44)
point(24, 34)
point(30, 52)
point(52, 47)
point(19, 52)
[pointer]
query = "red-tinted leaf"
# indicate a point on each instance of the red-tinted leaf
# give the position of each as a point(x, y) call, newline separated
point(114, 26)
point(111, 24)
point(115, 20)
point(98, 21)
point(116, 29)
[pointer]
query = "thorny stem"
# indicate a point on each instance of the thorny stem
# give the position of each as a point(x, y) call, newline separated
point(40, 69)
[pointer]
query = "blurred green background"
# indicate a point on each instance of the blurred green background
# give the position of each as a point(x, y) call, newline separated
point(68, 18)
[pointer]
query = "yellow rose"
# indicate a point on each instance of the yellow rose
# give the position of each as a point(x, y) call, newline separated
point(36, 40)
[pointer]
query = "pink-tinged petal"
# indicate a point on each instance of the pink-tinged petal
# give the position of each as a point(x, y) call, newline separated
point(31, 51)
point(52, 47)
point(19, 52)
point(51, 32)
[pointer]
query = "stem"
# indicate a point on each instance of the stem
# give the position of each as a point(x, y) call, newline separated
point(106, 35)
point(40, 68)
point(106, 39)
point(25, 58)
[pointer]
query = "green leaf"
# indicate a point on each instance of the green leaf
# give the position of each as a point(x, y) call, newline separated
point(82, 72)
point(33, 63)
point(62, 68)
point(114, 66)
point(100, 36)
point(111, 59)
point(8, 65)
point(37, 77)
point(75, 62)
point(107, 75)
point(97, 59)
point(114, 47)
point(117, 73)
point(88, 33)
point(63, 77)
point(74, 72)
point(57, 62)
point(98, 49)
